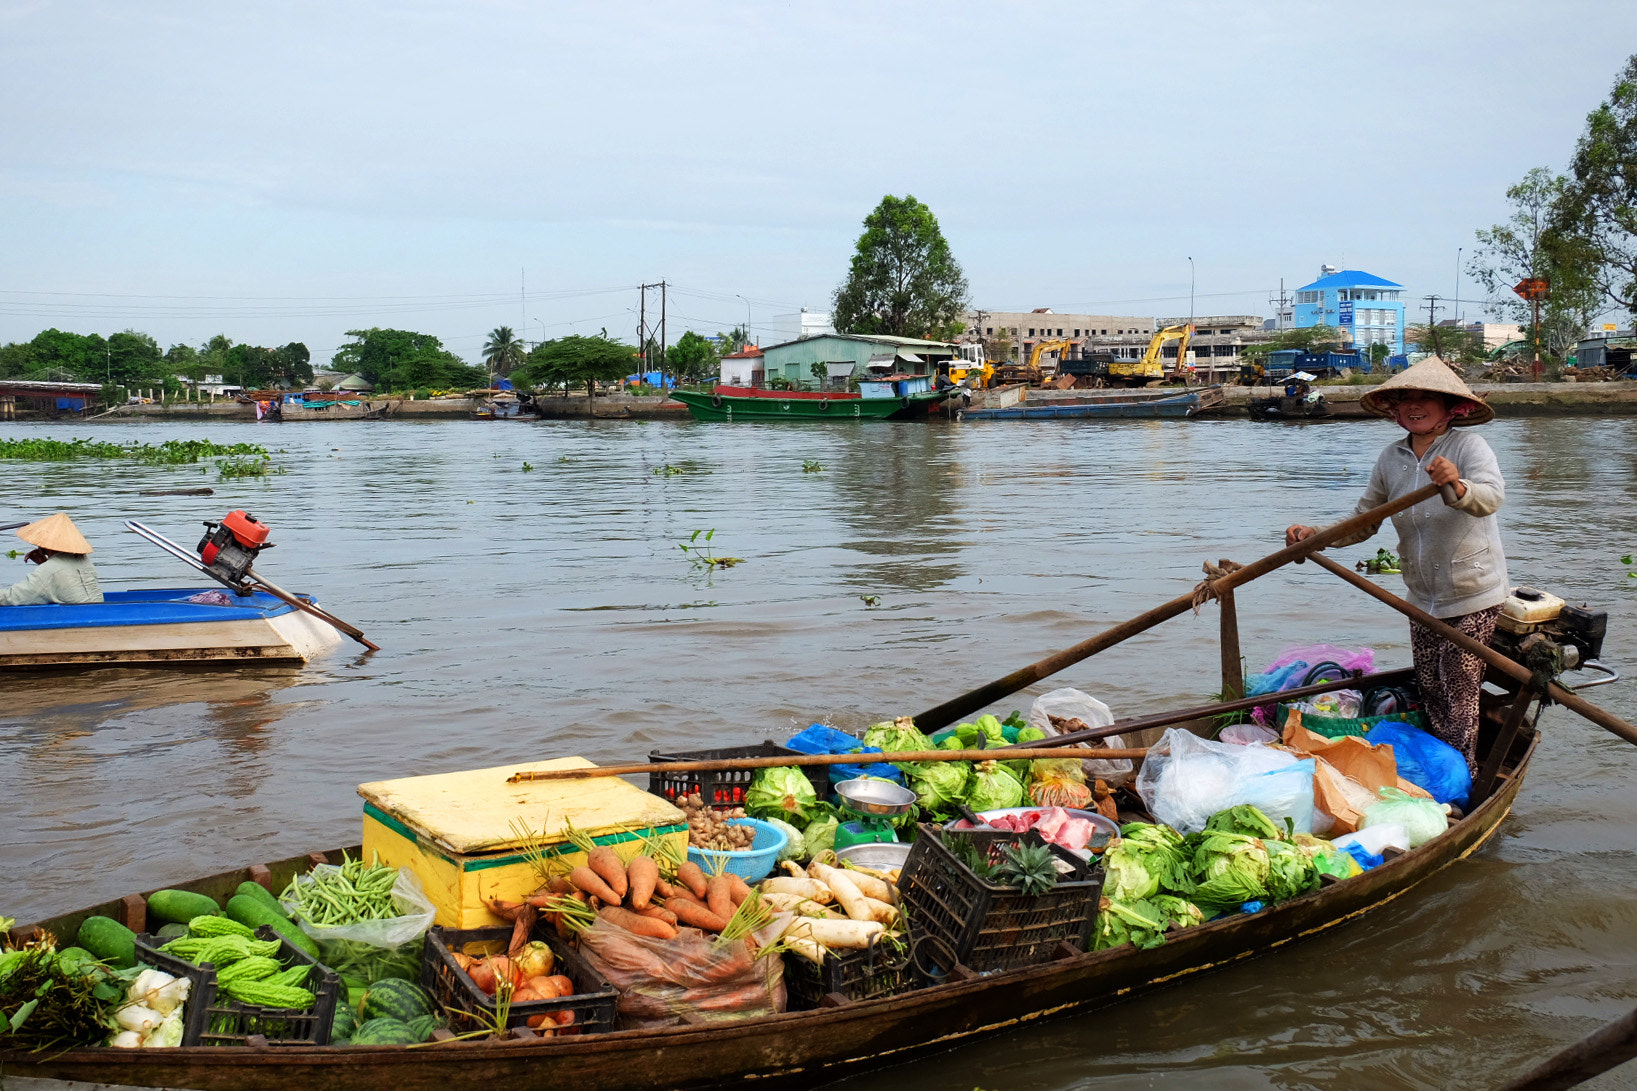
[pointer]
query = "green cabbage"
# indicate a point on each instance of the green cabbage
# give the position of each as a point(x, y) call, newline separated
point(793, 842)
point(991, 731)
point(1020, 768)
point(820, 836)
point(940, 785)
point(993, 787)
point(1126, 874)
point(1232, 868)
point(1291, 872)
point(1163, 854)
point(1180, 912)
point(897, 735)
point(1139, 923)
point(1246, 819)
point(782, 792)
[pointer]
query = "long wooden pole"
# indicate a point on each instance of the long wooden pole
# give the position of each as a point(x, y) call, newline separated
point(951, 711)
point(1607, 721)
point(717, 765)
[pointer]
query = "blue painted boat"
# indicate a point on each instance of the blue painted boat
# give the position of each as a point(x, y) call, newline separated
point(162, 626)
point(1142, 404)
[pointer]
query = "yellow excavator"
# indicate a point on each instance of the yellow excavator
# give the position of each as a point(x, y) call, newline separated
point(1032, 372)
point(970, 364)
point(1151, 368)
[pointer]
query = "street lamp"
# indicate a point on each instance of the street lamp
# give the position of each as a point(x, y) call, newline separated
point(1458, 250)
point(1190, 291)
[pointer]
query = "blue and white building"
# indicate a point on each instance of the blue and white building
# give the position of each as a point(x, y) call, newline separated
point(1360, 304)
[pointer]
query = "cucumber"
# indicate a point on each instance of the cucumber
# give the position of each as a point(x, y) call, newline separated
point(180, 906)
point(257, 892)
point(245, 909)
point(109, 940)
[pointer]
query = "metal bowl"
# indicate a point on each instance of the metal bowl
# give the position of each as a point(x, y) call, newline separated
point(879, 856)
point(869, 795)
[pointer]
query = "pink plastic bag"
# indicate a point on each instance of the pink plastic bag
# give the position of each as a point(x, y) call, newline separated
point(687, 981)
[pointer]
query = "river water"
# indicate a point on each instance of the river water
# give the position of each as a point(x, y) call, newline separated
point(525, 584)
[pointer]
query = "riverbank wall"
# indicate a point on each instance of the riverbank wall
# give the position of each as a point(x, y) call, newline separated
point(611, 406)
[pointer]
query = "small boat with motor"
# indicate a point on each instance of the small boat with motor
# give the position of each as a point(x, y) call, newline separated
point(890, 397)
point(1150, 404)
point(252, 621)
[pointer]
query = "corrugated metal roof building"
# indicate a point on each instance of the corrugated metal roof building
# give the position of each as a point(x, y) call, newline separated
point(845, 355)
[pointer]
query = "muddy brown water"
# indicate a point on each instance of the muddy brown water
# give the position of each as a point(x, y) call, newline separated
point(548, 610)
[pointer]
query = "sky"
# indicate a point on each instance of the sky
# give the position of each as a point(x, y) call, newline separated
point(289, 171)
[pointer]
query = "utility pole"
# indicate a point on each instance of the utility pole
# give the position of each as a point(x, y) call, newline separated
point(1279, 305)
point(1432, 321)
point(1458, 250)
point(648, 332)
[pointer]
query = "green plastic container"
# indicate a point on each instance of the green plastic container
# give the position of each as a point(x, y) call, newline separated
point(1334, 727)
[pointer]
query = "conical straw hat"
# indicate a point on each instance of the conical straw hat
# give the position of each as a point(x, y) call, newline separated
point(56, 532)
point(1432, 374)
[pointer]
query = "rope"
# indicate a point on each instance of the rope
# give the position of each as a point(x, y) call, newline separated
point(1206, 590)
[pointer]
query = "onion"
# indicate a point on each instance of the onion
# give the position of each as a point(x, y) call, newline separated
point(535, 960)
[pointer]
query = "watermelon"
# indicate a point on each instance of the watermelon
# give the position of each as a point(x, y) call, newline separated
point(346, 1021)
point(385, 1031)
point(396, 998)
point(424, 1025)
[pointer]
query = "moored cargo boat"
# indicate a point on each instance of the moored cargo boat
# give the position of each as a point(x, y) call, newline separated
point(730, 403)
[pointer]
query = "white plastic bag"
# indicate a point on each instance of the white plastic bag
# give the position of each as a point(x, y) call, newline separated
point(1186, 779)
point(1072, 704)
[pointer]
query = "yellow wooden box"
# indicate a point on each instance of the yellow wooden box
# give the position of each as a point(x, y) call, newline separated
point(457, 832)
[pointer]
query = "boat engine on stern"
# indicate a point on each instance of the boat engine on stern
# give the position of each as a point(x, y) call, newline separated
point(229, 547)
point(1543, 632)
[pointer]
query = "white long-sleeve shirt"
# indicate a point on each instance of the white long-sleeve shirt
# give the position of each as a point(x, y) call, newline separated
point(64, 577)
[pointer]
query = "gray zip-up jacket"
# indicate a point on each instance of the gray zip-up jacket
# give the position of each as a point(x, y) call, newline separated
point(64, 577)
point(1452, 556)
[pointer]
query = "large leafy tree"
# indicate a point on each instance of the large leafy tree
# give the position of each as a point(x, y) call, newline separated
point(503, 352)
point(693, 356)
point(1317, 338)
point(1454, 344)
point(1595, 218)
point(134, 359)
point(1528, 245)
point(71, 356)
point(571, 361)
point(903, 279)
point(404, 360)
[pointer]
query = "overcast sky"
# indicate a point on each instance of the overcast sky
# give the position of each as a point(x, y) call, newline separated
point(289, 171)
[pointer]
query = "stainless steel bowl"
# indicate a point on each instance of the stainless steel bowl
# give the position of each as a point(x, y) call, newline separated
point(868, 795)
point(879, 856)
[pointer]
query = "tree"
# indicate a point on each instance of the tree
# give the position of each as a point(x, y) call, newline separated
point(694, 357)
point(903, 279)
point(73, 356)
point(1317, 338)
point(404, 360)
point(737, 340)
point(1454, 344)
point(134, 359)
point(1595, 217)
point(1529, 245)
point(16, 359)
point(503, 352)
point(571, 360)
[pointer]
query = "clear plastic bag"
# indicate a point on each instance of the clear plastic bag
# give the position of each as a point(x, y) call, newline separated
point(1071, 704)
point(1186, 779)
point(366, 951)
point(691, 980)
point(1422, 819)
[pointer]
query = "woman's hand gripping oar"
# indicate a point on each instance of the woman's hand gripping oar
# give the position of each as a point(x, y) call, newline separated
point(967, 703)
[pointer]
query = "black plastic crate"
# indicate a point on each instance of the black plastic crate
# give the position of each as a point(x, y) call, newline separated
point(592, 1005)
point(726, 788)
point(990, 927)
point(881, 970)
point(215, 1019)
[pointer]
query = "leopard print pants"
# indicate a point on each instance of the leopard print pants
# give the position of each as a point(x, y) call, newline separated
point(1450, 678)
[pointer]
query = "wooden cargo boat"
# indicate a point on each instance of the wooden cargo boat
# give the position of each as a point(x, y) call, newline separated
point(797, 1049)
point(158, 627)
point(730, 403)
point(1139, 404)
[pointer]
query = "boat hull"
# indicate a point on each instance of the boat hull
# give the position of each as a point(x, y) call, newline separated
point(799, 1049)
point(160, 627)
point(1150, 406)
point(805, 406)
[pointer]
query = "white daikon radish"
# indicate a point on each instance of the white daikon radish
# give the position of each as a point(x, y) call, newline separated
point(848, 896)
point(804, 888)
point(868, 885)
point(851, 935)
point(806, 948)
point(881, 911)
point(795, 903)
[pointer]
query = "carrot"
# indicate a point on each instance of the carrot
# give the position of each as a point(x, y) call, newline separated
point(658, 912)
point(663, 889)
point(738, 889)
point(691, 876)
point(682, 893)
point(719, 896)
point(503, 909)
point(593, 884)
point(606, 863)
point(637, 923)
point(695, 915)
point(643, 874)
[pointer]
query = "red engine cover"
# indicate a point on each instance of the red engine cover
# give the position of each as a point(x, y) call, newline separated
point(250, 533)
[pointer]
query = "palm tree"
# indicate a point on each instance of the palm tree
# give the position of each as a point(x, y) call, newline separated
point(502, 352)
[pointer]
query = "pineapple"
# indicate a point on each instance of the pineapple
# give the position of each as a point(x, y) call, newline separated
point(1030, 868)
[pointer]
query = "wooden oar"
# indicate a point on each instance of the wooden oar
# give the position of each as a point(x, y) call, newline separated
point(1612, 1045)
point(1607, 721)
point(967, 703)
point(720, 765)
point(256, 579)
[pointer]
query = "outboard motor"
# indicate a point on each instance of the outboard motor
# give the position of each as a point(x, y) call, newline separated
point(229, 547)
point(1540, 630)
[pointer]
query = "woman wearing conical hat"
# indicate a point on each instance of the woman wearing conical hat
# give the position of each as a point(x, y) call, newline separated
point(1450, 549)
point(66, 573)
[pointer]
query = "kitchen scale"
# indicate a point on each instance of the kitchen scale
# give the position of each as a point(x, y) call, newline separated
point(874, 803)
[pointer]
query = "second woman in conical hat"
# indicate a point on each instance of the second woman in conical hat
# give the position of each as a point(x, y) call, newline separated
point(65, 575)
point(1449, 549)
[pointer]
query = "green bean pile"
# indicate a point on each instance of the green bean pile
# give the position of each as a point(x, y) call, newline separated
point(346, 895)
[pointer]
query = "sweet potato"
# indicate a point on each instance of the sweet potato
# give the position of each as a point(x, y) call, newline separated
point(606, 863)
point(636, 923)
point(594, 885)
point(692, 876)
point(643, 876)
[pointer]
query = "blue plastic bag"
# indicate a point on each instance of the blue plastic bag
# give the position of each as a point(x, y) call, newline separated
point(1426, 761)
point(1366, 859)
point(820, 739)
